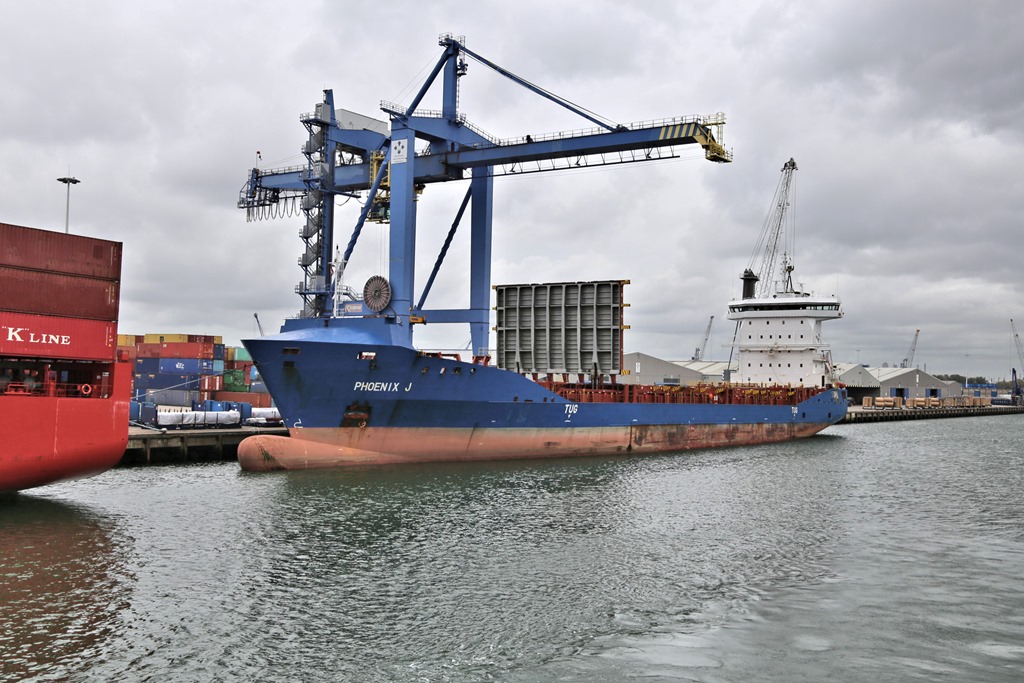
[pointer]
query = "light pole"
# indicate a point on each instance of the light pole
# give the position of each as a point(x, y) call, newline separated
point(69, 181)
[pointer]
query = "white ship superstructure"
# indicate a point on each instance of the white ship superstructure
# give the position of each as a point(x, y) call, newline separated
point(778, 338)
point(778, 333)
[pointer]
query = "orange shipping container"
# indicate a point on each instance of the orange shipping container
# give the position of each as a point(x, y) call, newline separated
point(257, 400)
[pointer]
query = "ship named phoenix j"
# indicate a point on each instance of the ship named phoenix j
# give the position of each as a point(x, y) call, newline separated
point(353, 388)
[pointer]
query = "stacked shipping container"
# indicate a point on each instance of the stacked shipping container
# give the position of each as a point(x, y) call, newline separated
point(59, 295)
point(185, 369)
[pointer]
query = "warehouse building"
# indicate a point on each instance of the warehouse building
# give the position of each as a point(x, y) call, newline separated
point(645, 369)
point(913, 383)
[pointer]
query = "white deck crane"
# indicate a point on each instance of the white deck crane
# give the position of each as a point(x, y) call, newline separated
point(698, 353)
point(772, 231)
point(908, 362)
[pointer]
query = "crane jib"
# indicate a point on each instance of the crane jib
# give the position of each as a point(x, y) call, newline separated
point(343, 148)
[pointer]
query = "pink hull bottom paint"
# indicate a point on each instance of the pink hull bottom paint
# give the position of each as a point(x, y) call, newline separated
point(326, 448)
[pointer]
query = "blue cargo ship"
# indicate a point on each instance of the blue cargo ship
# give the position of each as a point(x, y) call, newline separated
point(353, 388)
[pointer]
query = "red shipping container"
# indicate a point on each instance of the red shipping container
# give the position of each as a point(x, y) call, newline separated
point(148, 350)
point(41, 336)
point(257, 400)
point(59, 252)
point(211, 382)
point(43, 293)
point(186, 350)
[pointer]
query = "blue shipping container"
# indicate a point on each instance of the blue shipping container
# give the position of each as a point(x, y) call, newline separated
point(218, 352)
point(162, 381)
point(218, 367)
point(148, 413)
point(172, 397)
point(147, 365)
point(179, 366)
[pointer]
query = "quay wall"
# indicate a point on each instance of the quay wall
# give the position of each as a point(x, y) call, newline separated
point(859, 414)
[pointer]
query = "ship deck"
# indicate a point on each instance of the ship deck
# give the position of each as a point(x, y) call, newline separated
point(700, 394)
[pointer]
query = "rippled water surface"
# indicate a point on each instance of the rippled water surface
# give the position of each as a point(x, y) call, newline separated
point(883, 552)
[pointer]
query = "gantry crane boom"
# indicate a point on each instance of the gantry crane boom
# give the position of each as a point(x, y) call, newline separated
point(908, 361)
point(393, 161)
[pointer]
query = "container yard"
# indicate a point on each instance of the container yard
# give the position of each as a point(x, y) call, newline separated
point(183, 370)
point(194, 382)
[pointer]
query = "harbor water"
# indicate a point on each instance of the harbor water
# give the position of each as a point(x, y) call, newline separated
point(875, 552)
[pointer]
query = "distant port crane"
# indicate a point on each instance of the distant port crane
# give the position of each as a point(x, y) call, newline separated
point(1016, 340)
point(908, 362)
point(1017, 394)
point(698, 353)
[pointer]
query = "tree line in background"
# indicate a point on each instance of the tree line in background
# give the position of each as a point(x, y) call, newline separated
point(1001, 384)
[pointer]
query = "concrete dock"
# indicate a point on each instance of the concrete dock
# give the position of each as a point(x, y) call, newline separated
point(858, 414)
point(148, 446)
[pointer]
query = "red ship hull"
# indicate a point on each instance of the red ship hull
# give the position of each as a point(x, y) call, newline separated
point(54, 438)
point(65, 393)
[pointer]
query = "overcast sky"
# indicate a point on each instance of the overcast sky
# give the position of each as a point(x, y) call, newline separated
point(904, 118)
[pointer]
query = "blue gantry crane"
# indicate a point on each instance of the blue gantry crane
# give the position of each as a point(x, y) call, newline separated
point(348, 154)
